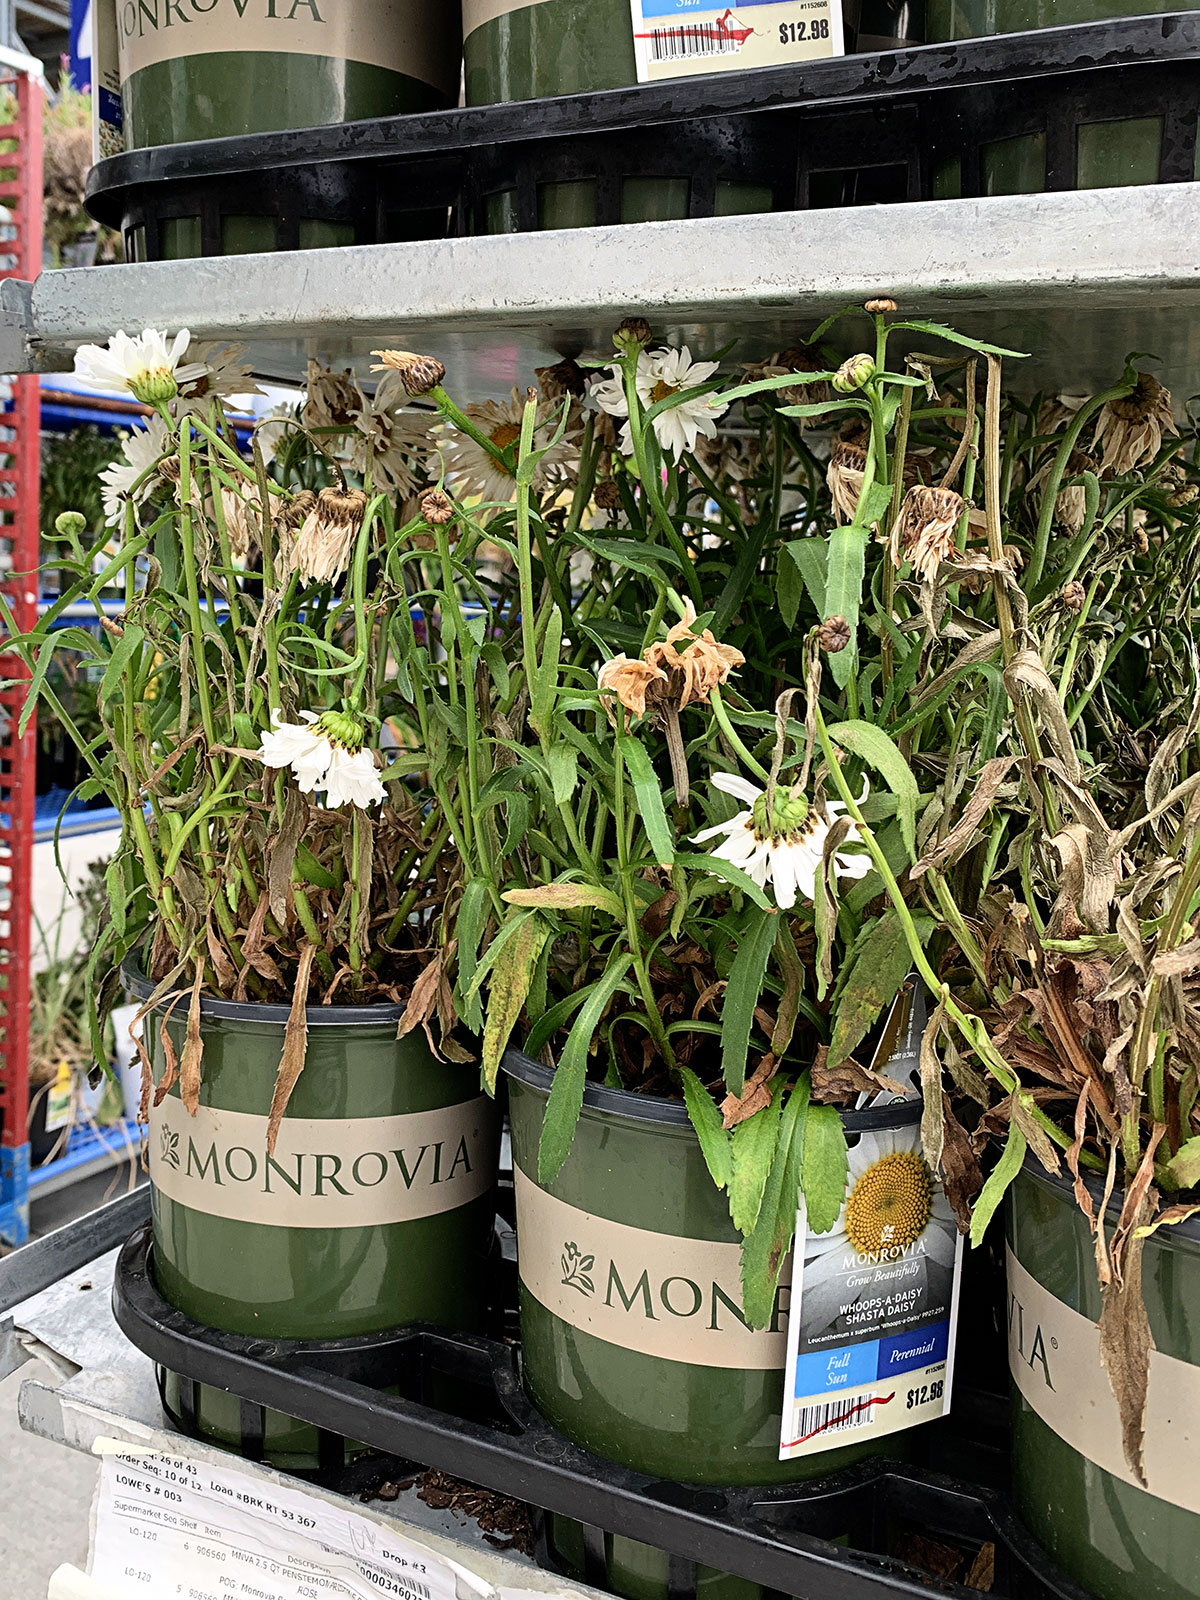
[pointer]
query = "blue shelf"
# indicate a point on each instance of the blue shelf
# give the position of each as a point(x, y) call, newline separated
point(89, 1150)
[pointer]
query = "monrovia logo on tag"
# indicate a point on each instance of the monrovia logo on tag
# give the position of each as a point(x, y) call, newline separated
point(676, 38)
point(874, 1303)
point(325, 1172)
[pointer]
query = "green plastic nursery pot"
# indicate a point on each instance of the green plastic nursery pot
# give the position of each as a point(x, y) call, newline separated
point(534, 49)
point(374, 1212)
point(1073, 1490)
point(203, 69)
point(970, 19)
point(633, 1343)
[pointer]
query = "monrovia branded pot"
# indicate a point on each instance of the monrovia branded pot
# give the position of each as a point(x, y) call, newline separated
point(375, 1210)
point(201, 69)
point(970, 19)
point(1072, 1487)
point(633, 1340)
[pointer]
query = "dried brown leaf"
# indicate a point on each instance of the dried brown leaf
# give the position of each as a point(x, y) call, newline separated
point(932, 1116)
point(962, 1176)
point(1125, 1345)
point(193, 1049)
point(756, 1096)
point(985, 789)
point(295, 1046)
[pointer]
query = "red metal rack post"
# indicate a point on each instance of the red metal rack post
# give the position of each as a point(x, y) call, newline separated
point(20, 470)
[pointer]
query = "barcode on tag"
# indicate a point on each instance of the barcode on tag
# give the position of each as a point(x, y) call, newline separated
point(832, 1417)
point(700, 39)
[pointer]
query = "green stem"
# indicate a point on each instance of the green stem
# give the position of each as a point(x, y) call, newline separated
point(1037, 560)
point(734, 738)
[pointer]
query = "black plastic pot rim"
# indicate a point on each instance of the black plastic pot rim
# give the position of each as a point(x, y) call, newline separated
point(1189, 1229)
point(673, 1113)
point(212, 1006)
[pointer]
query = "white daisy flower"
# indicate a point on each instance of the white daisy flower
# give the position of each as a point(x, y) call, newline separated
point(893, 1210)
point(140, 449)
point(145, 367)
point(660, 374)
point(788, 854)
point(226, 374)
point(323, 754)
point(471, 471)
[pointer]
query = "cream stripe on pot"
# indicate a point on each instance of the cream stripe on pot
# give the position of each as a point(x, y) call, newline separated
point(413, 37)
point(657, 1293)
point(477, 12)
point(326, 1172)
point(1054, 1358)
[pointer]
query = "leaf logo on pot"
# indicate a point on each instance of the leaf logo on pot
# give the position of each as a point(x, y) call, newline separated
point(576, 1267)
point(169, 1147)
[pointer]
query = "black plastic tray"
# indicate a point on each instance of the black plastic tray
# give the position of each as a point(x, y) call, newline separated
point(852, 130)
point(780, 1537)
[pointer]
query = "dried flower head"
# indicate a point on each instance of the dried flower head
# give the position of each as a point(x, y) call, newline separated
point(242, 521)
point(608, 495)
point(1131, 429)
point(629, 680)
point(924, 530)
point(332, 399)
point(882, 307)
point(1141, 534)
point(1070, 504)
point(557, 382)
point(854, 373)
point(437, 508)
point(1073, 595)
point(418, 374)
point(847, 465)
point(696, 669)
point(472, 470)
point(1178, 491)
point(833, 635)
point(322, 550)
point(634, 333)
point(798, 359)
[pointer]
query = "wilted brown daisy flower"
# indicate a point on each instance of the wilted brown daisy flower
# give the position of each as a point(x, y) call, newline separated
point(847, 466)
point(1132, 429)
point(629, 680)
point(924, 530)
point(1073, 595)
point(696, 669)
point(322, 549)
point(1070, 504)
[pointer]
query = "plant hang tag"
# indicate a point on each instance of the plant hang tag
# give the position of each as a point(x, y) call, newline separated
point(874, 1304)
point(679, 38)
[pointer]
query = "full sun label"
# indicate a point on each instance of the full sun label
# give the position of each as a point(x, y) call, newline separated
point(677, 38)
point(874, 1304)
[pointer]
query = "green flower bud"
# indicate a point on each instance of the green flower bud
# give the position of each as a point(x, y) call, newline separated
point(787, 816)
point(70, 524)
point(154, 387)
point(853, 374)
point(342, 728)
point(634, 334)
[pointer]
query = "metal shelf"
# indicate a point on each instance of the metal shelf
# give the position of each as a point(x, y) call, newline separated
point(1081, 278)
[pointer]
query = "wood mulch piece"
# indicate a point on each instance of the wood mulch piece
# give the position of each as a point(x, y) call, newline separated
point(506, 1524)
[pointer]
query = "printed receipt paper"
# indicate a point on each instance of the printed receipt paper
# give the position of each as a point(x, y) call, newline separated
point(166, 1526)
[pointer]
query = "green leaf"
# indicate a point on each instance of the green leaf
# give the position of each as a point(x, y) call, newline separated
point(549, 1023)
point(844, 574)
point(789, 588)
point(546, 674)
point(1182, 1171)
point(649, 799)
point(873, 746)
point(632, 553)
point(1002, 1174)
point(753, 1148)
point(726, 870)
point(715, 1143)
point(765, 1251)
point(881, 966)
point(741, 997)
point(127, 646)
point(874, 505)
point(497, 668)
point(469, 925)
point(823, 1167)
point(563, 764)
point(941, 332)
point(566, 897)
point(311, 870)
point(570, 1077)
point(811, 557)
point(511, 975)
